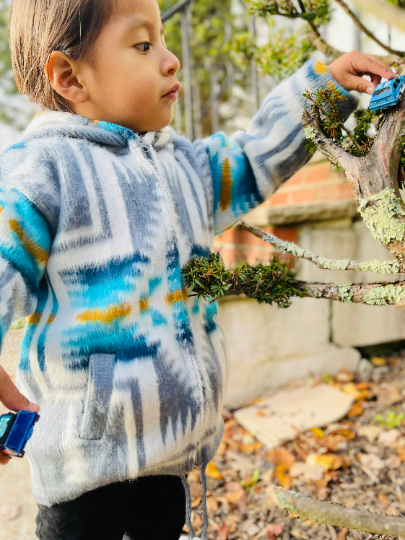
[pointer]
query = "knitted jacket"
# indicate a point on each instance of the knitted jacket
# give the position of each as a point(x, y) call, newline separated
point(96, 222)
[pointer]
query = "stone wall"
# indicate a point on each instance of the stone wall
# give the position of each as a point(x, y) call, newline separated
point(268, 346)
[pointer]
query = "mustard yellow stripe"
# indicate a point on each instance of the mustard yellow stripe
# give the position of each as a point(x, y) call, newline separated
point(226, 185)
point(34, 319)
point(144, 304)
point(176, 296)
point(31, 247)
point(105, 316)
point(51, 318)
point(320, 68)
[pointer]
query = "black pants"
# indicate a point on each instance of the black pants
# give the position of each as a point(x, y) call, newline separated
point(150, 508)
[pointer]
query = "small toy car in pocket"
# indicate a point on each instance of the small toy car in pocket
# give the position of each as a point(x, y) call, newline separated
point(387, 94)
point(15, 431)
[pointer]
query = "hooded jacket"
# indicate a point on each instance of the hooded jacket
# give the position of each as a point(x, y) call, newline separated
point(96, 222)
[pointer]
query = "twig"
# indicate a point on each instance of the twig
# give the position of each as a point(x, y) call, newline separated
point(365, 30)
point(336, 515)
point(381, 267)
point(332, 532)
point(389, 13)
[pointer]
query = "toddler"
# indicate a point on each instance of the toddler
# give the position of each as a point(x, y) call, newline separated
point(101, 204)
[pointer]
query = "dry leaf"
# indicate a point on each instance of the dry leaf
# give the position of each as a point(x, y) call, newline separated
point(351, 390)
point(401, 453)
point(372, 461)
point(250, 448)
point(281, 456)
point(345, 376)
point(212, 504)
point(274, 531)
point(326, 461)
point(382, 497)
point(283, 476)
point(196, 502)
point(318, 433)
point(222, 533)
point(343, 534)
point(356, 410)
point(378, 361)
point(371, 432)
point(213, 472)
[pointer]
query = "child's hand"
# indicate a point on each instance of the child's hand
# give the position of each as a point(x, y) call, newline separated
point(14, 401)
point(348, 71)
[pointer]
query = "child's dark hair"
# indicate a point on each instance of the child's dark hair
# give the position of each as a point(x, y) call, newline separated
point(39, 27)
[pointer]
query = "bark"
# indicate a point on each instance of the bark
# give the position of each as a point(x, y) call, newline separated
point(382, 267)
point(374, 178)
point(372, 294)
point(336, 515)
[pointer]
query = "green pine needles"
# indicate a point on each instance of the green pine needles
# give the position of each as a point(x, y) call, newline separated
point(357, 142)
point(274, 283)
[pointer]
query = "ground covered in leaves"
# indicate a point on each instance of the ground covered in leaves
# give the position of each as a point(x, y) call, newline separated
point(358, 462)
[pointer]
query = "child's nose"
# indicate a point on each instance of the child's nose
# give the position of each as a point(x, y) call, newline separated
point(172, 63)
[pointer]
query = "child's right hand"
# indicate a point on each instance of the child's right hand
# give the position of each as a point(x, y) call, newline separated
point(11, 398)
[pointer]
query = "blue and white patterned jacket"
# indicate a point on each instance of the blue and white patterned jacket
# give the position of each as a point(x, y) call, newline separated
point(96, 222)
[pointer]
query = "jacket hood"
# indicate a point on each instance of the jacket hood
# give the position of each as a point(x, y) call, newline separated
point(50, 124)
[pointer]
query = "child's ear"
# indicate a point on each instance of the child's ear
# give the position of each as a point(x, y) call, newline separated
point(65, 78)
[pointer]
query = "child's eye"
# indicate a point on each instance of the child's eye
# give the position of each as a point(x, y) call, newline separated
point(144, 47)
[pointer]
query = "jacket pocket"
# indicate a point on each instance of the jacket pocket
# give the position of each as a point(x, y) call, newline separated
point(99, 390)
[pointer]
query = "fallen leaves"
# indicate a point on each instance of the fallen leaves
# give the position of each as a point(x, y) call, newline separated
point(212, 471)
point(347, 462)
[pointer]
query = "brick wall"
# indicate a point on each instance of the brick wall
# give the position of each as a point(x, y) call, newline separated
point(316, 184)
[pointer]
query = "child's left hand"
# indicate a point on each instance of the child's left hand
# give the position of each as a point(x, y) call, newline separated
point(348, 71)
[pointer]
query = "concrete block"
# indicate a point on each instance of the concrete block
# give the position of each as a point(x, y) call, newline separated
point(268, 347)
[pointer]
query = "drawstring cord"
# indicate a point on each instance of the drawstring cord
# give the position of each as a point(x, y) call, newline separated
point(191, 533)
point(204, 499)
point(186, 486)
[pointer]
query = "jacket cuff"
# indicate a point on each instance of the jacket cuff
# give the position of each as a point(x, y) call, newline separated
point(318, 76)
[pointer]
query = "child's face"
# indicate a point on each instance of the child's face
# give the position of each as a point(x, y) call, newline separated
point(133, 70)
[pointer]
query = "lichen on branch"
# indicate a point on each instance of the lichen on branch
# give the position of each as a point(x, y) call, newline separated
point(381, 267)
point(337, 515)
point(383, 214)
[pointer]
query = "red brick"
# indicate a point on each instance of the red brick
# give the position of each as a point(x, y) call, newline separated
point(227, 236)
point(341, 190)
point(289, 234)
point(295, 180)
point(304, 195)
point(279, 199)
point(319, 173)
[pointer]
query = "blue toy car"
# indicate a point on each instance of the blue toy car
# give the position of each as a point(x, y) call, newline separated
point(15, 431)
point(387, 94)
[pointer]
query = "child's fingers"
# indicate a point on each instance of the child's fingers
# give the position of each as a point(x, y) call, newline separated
point(4, 458)
point(353, 82)
point(11, 397)
point(364, 64)
point(384, 65)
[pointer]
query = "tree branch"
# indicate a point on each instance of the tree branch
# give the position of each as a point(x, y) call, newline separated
point(336, 515)
point(333, 152)
point(383, 11)
point(365, 30)
point(321, 44)
point(381, 267)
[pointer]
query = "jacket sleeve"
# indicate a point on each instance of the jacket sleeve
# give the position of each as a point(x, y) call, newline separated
point(248, 167)
point(28, 199)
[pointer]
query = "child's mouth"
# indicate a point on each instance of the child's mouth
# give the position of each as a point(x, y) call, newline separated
point(174, 92)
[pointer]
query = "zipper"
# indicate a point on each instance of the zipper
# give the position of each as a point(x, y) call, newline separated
point(148, 156)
